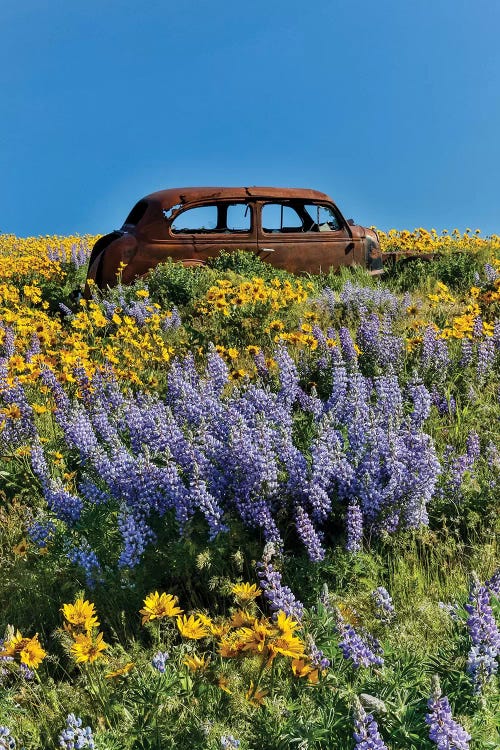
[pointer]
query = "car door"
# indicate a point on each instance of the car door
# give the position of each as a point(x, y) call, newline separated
point(300, 235)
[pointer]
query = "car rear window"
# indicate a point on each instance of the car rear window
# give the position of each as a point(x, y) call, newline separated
point(137, 213)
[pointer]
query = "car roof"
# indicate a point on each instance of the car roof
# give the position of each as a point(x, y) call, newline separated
point(176, 196)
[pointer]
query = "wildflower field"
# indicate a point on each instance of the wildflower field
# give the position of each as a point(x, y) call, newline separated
point(245, 509)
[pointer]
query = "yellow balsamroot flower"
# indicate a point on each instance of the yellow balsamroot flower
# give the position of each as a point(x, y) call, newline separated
point(158, 605)
point(301, 668)
point(245, 592)
point(39, 408)
point(21, 548)
point(121, 671)
point(254, 695)
point(223, 683)
point(81, 614)
point(196, 663)
point(87, 648)
point(220, 629)
point(142, 293)
point(285, 624)
point(204, 619)
point(253, 350)
point(286, 645)
point(192, 627)
point(254, 639)
point(241, 619)
point(27, 651)
point(231, 646)
point(238, 374)
point(12, 412)
point(275, 325)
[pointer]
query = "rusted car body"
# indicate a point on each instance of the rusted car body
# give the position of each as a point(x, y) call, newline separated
point(298, 230)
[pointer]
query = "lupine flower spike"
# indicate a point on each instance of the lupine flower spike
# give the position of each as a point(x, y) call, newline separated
point(443, 729)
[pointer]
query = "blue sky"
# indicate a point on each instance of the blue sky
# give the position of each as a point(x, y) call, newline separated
point(393, 107)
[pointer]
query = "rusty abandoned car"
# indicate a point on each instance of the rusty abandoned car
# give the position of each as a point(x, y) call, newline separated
point(294, 229)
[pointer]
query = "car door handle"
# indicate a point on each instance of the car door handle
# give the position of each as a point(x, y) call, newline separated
point(267, 250)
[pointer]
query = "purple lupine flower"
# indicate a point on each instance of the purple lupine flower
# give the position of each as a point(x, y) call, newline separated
point(447, 733)
point(309, 535)
point(493, 583)
point(482, 662)
point(7, 741)
point(477, 328)
point(228, 742)
point(289, 378)
point(354, 528)
point(473, 446)
point(136, 535)
point(485, 357)
point(440, 401)
point(86, 558)
point(434, 357)
point(347, 344)
point(362, 651)
point(66, 311)
point(421, 399)
point(280, 597)
point(490, 272)
point(34, 348)
point(41, 533)
point(316, 656)
point(26, 673)
point(496, 334)
point(9, 338)
point(366, 733)
point(384, 608)
point(466, 355)
point(74, 736)
point(159, 661)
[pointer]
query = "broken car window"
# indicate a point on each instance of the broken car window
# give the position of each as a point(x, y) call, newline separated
point(238, 217)
point(322, 219)
point(278, 217)
point(199, 219)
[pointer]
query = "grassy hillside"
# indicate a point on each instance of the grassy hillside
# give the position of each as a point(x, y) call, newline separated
point(242, 506)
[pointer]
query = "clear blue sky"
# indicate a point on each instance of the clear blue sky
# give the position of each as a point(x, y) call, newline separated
point(392, 107)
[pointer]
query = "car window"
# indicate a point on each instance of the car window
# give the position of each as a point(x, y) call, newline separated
point(238, 217)
point(278, 217)
point(137, 213)
point(220, 217)
point(301, 217)
point(198, 219)
point(323, 219)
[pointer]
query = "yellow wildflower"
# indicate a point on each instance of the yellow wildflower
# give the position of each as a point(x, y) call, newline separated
point(21, 548)
point(121, 671)
point(87, 648)
point(191, 627)
point(196, 663)
point(245, 592)
point(254, 695)
point(81, 614)
point(27, 651)
point(158, 605)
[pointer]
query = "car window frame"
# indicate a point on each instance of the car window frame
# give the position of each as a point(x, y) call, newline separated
point(250, 205)
point(292, 204)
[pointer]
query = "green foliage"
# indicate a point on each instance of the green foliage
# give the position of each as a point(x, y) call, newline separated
point(458, 270)
point(175, 284)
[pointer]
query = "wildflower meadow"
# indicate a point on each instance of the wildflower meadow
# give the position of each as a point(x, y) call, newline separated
point(246, 509)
